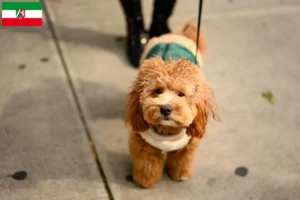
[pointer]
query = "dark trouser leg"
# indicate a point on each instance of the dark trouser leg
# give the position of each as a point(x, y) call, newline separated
point(162, 11)
point(136, 37)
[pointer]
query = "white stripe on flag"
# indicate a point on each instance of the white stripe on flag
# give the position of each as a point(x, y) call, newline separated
point(28, 14)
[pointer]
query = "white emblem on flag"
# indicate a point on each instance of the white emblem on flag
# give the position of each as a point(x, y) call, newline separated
point(21, 13)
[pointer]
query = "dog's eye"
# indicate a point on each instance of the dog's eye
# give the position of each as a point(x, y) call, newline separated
point(181, 94)
point(158, 91)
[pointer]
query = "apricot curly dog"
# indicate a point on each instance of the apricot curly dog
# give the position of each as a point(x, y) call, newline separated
point(168, 108)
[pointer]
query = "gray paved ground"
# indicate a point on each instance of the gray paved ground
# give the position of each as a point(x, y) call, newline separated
point(40, 129)
point(253, 47)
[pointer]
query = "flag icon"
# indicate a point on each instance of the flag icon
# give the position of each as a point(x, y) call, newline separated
point(22, 14)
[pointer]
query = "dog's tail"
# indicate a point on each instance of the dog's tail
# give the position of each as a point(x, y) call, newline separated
point(190, 31)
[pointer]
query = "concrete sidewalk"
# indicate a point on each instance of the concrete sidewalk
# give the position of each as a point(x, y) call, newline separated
point(54, 95)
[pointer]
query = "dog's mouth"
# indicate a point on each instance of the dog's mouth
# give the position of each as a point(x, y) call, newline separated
point(166, 118)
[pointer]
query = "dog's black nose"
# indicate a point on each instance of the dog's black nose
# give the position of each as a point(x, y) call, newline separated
point(165, 110)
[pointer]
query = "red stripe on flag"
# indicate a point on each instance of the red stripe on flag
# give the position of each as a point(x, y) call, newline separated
point(22, 22)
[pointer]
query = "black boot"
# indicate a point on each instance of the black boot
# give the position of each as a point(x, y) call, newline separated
point(136, 35)
point(162, 11)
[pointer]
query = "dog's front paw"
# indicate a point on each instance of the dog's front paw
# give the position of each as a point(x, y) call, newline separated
point(144, 182)
point(184, 178)
point(179, 175)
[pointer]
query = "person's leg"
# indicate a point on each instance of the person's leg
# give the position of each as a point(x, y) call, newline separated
point(162, 11)
point(136, 36)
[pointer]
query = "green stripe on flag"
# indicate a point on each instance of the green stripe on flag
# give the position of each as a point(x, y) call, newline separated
point(24, 5)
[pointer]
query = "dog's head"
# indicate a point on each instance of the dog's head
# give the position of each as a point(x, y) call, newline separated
point(172, 94)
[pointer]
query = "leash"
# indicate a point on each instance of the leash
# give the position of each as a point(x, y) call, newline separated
point(198, 26)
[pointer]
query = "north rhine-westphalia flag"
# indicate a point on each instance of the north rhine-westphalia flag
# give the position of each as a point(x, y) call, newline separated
point(22, 14)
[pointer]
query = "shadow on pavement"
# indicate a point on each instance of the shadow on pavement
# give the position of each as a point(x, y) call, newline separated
point(103, 101)
point(40, 133)
point(82, 36)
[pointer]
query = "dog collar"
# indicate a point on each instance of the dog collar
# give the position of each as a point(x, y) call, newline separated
point(172, 50)
point(166, 143)
point(170, 137)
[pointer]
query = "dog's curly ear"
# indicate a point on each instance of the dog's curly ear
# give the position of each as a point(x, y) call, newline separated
point(134, 112)
point(205, 107)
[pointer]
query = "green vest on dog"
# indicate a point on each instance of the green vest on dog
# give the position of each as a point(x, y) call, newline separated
point(172, 50)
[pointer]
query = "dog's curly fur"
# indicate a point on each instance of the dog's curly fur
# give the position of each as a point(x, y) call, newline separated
point(159, 82)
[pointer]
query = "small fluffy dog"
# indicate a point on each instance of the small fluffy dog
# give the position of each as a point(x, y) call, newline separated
point(168, 108)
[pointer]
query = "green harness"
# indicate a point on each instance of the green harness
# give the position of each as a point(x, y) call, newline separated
point(172, 50)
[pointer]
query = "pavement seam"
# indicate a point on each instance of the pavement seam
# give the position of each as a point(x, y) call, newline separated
point(77, 102)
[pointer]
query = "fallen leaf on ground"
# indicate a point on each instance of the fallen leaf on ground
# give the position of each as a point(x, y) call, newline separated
point(268, 95)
